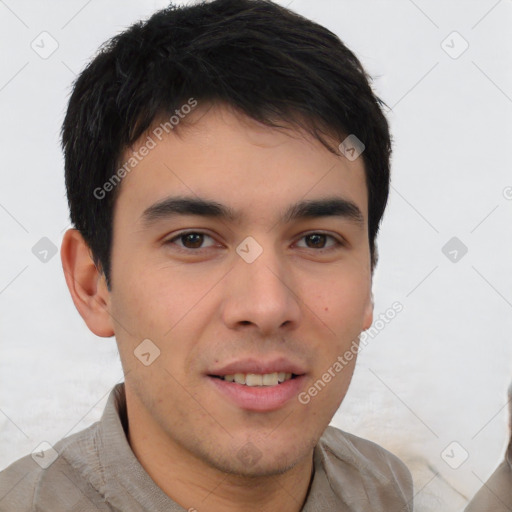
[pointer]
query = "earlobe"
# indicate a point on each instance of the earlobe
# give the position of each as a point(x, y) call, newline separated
point(87, 286)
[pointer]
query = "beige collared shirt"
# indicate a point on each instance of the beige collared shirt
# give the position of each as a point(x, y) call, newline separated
point(96, 470)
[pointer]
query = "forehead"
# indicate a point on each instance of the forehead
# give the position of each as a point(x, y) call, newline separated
point(220, 155)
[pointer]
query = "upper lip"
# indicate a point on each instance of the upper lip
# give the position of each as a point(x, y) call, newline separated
point(256, 366)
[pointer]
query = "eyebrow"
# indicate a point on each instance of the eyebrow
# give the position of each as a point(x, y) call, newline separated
point(306, 209)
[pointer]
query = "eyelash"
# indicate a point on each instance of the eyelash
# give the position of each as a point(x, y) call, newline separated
point(338, 243)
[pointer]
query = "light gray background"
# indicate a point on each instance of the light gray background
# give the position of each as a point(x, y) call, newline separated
point(438, 372)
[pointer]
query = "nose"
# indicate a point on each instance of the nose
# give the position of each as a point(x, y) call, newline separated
point(261, 294)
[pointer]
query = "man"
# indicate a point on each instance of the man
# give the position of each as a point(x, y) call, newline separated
point(227, 168)
point(496, 494)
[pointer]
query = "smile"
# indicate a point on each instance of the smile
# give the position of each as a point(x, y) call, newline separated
point(253, 379)
point(253, 394)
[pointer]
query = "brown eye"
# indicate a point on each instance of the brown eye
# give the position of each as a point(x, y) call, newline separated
point(319, 240)
point(316, 240)
point(190, 240)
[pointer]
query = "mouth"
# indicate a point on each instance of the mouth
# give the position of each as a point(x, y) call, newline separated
point(257, 380)
point(258, 388)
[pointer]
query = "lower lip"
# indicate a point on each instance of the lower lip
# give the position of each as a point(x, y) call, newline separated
point(259, 398)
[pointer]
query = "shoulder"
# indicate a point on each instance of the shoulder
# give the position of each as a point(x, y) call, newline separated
point(374, 468)
point(17, 485)
point(496, 494)
point(30, 483)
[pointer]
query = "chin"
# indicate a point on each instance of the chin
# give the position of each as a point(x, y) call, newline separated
point(253, 461)
point(258, 470)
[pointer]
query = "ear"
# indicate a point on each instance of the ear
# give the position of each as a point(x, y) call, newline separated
point(368, 313)
point(86, 284)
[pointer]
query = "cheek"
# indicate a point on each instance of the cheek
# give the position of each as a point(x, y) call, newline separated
point(140, 304)
point(342, 304)
point(163, 305)
point(151, 296)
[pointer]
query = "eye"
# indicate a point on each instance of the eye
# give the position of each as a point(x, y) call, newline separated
point(190, 240)
point(193, 241)
point(318, 241)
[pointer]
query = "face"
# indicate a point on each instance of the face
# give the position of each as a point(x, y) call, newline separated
point(239, 285)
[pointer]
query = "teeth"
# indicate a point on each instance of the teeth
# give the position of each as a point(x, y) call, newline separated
point(239, 378)
point(270, 379)
point(252, 379)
